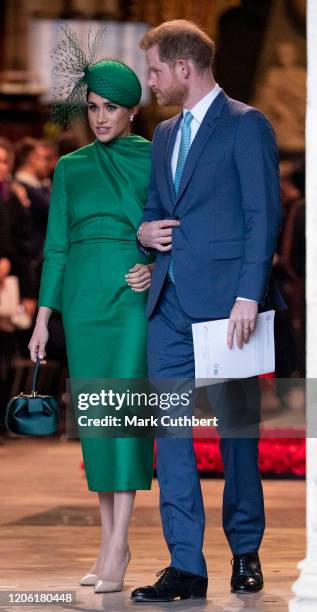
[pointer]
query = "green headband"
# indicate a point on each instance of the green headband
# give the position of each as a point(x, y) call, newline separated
point(114, 81)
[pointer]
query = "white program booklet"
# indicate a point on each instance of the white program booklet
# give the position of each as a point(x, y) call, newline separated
point(213, 359)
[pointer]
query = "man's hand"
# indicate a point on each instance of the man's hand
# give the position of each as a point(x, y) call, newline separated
point(157, 234)
point(242, 321)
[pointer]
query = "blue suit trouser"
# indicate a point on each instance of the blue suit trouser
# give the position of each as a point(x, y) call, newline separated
point(170, 355)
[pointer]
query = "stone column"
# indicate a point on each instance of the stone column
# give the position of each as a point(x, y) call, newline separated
point(305, 588)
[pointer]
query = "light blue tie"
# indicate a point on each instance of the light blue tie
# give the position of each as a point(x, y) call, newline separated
point(182, 154)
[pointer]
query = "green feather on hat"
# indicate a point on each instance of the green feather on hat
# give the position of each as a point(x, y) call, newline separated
point(78, 72)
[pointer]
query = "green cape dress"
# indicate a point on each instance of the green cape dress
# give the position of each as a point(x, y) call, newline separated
point(98, 196)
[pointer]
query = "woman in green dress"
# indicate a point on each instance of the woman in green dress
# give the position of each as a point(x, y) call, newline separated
point(91, 264)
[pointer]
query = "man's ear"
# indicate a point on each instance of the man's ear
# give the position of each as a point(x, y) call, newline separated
point(182, 67)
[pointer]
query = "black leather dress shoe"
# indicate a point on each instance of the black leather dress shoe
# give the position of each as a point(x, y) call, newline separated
point(246, 573)
point(173, 583)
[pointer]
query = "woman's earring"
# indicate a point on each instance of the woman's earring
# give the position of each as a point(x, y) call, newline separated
point(131, 117)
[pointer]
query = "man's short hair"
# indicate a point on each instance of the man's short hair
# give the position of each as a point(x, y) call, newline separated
point(181, 39)
point(23, 150)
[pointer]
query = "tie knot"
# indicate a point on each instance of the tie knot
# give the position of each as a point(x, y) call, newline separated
point(187, 118)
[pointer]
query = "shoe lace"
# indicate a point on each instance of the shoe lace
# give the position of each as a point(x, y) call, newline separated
point(162, 574)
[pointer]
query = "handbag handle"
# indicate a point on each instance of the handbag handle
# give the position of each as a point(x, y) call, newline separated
point(35, 375)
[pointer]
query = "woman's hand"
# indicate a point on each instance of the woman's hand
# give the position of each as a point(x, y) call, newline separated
point(38, 342)
point(39, 338)
point(139, 277)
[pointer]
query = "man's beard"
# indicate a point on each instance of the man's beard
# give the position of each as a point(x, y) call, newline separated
point(174, 96)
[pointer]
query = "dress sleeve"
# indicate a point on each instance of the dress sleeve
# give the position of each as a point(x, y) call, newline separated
point(56, 244)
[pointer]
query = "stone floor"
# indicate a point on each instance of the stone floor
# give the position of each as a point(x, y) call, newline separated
point(50, 533)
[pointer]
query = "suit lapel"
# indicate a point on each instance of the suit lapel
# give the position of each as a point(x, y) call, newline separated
point(204, 133)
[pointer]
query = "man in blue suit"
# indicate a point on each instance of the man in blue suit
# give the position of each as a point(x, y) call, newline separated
point(213, 217)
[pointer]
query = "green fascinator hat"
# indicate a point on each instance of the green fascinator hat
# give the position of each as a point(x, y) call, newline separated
point(76, 72)
point(114, 81)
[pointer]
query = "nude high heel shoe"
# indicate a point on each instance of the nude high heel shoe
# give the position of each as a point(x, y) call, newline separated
point(89, 580)
point(105, 586)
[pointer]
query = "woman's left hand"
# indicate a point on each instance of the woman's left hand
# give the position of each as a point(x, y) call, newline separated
point(139, 277)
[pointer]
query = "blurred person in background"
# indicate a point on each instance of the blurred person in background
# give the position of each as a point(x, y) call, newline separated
point(33, 168)
point(15, 257)
point(25, 200)
point(5, 268)
point(52, 154)
point(6, 159)
point(17, 226)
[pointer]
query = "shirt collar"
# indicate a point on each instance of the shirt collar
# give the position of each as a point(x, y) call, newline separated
point(200, 109)
point(29, 179)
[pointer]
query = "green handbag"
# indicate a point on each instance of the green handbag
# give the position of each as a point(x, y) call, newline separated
point(33, 414)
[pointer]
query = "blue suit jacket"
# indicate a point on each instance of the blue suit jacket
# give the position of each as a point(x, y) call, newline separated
point(228, 205)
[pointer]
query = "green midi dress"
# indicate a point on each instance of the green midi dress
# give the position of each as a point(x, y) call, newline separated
point(98, 196)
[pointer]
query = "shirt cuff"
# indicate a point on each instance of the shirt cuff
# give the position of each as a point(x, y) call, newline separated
point(242, 299)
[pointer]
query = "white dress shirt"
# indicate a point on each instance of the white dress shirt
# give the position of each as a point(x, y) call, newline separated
point(198, 111)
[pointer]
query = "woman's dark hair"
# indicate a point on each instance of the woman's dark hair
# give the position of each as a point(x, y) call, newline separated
point(89, 91)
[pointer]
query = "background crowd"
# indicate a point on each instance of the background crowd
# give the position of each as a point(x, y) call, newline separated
point(26, 169)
